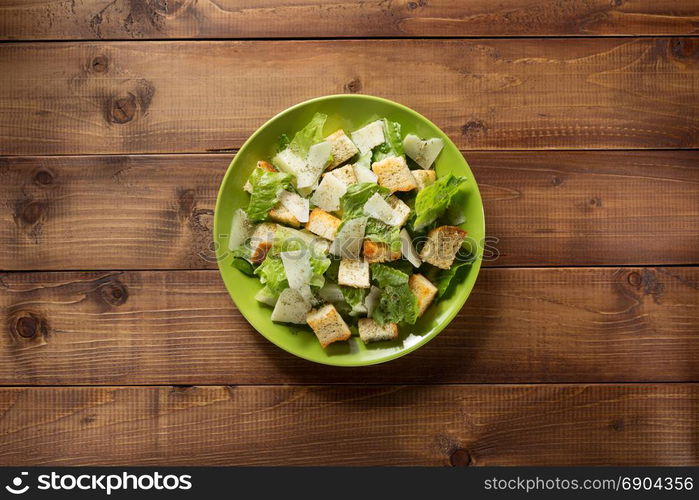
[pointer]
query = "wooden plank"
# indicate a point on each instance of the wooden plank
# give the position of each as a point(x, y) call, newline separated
point(356, 425)
point(145, 97)
point(542, 208)
point(125, 19)
point(520, 325)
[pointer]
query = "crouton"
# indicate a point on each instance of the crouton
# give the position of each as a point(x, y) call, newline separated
point(354, 273)
point(442, 245)
point(424, 178)
point(282, 215)
point(264, 166)
point(371, 331)
point(291, 307)
point(345, 174)
point(322, 223)
point(369, 136)
point(394, 174)
point(328, 325)
point(424, 290)
point(401, 211)
point(378, 252)
point(261, 241)
point(342, 148)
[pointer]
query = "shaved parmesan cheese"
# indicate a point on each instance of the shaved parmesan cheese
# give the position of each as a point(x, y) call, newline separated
point(372, 300)
point(297, 206)
point(328, 194)
point(331, 293)
point(348, 240)
point(424, 153)
point(318, 158)
point(318, 246)
point(368, 137)
point(287, 161)
point(378, 208)
point(305, 292)
point(241, 229)
point(407, 248)
point(363, 174)
point(291, 307)
point(297, 266)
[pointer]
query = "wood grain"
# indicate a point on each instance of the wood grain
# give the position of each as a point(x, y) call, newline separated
point(542, 208)
point(146, 97)
point(125, 19)
point(519, 325)
point(418, 425)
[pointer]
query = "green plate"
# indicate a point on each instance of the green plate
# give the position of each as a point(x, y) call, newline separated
point(348, 112)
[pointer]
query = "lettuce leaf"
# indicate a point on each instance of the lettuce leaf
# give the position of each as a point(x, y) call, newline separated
point(357, 194)
point(265, 186)
point(394, 143)
point(308, 136)
point(397, 304)
point(364, 160)
point(385, 276)
point(355, 298)
point(381, 232)
point(432, 201)
point(445, 277)
point(271, 273)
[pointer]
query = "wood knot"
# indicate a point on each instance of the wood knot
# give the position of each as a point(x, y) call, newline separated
point(353, 86)
point(122, 109)
point(100, 64)
point(617, 425)
point(595, 202)
point(186, 202)
point(114, 293)
point(556, 181)
point(27, 326)
point(460, 458)
point(415, 5)
point(32, 212)
point(617, 3)
point(43, 177)
point(683, 48)
point(473, 126)
point(634, 279)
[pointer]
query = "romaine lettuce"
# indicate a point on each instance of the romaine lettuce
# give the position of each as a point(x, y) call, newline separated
point(385, 276)
point(397, 304)
point(353, 201)
point(381, 232)
point(265, 188)
point(432, 201)
point(393, 146)
point(308, 136)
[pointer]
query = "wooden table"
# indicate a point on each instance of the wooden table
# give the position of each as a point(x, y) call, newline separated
point(120, 345)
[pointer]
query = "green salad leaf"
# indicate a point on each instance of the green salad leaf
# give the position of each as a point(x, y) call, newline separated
point(271, 273)
point(243, 266)
point(265, 189)
point(364, 160)
point(393, 146)
point(397, 304)
point(384, 275)
point(445, 277)
point(308, 136)
point(380, 232)
point(357, 194)
point(355, 298)
point(432, 201)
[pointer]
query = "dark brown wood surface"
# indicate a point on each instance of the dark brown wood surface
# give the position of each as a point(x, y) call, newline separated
point(120, 346)
point(164, 97)
point(542, 209)
point(357, 425)
point(519, 325)
point(126, 19)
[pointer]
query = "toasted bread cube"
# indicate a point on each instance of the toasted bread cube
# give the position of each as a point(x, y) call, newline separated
point(264, 166)
point(369, 136)
point(442, 245)
point(401, 211)
point(378, 252)
point(261, 241)
point(423, 289)
point(371, 331)
point(345, 174)
point(323, 224)
point(394, 174)
point(424, 177)
point(328, 325)
point(342, 148)
point(354, 273)
point(282, 215)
